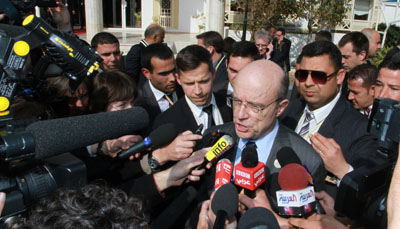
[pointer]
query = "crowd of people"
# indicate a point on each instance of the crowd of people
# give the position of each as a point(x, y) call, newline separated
point(240, 88)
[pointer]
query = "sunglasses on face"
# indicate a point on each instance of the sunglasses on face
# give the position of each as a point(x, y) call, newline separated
point(318, 77)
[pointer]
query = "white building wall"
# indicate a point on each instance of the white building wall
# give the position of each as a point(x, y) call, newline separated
point(188, 9)
point(147, 13)
point(389, 13)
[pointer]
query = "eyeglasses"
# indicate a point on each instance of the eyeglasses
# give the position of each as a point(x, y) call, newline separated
point(249, 106)
point(318, 77)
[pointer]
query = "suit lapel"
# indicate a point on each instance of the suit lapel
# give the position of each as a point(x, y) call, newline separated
point(149, 95)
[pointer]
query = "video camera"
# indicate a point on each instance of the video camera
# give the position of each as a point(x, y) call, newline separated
point(362, 192)
point(25, 180)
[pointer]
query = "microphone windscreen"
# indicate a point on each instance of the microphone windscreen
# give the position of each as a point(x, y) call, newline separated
point(258, 217)
point(249, 157)
point(62, 135)
point(226, 199)
point(286, 155)
point(293, 177)
point(12, 30)
point(163, 135)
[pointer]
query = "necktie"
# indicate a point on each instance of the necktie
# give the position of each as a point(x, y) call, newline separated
point(169, 99)
point(367, 112)
point(208, 111)
point(306, 125)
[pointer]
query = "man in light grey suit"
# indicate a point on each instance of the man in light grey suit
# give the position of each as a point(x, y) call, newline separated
point(258, 99)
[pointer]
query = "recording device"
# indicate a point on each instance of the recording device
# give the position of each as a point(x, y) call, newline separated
point(297, 197)
point(224, 204)
point(362, 193)
point(258, 217)
point(223, 144)
point(161, 136)
point(42, 142)
point(249, 173)
point(223, 173)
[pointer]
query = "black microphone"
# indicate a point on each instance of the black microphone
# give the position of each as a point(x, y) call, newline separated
point(286, 155)
point(161, 136)
point(51, 137)
point(258, 217)
point(224, 204)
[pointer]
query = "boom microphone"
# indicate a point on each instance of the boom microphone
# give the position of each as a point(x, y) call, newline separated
point(249, 173)
point(223, 173)
point(296, 198)
point(224, 144)
point(224, 204)
point(51, 137)
point(258, 217)
point(161, 136)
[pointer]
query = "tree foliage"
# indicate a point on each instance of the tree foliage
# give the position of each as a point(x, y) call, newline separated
point(325, 13)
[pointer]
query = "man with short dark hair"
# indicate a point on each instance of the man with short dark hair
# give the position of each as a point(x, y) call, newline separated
point(323, 116)
point(158, 93)
point(107, 46)
point(388, 82)
point(213, 42)
point(361, 82)
point(354, 47)
point(323, 35)
point(282, 45)
point(152, 35)
point(243, 53)
point(198, 106)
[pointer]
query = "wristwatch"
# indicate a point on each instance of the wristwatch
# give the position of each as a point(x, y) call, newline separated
point(153, 164)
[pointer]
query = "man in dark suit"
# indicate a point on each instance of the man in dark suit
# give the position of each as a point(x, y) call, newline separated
point(243, 53)
point(107, 46)
point(282, 45)
point(258, 99)
point(152, 35)
point(159, 92)
point(265, 47)
point(213, 42)
point(324, 117)
point(198, 106)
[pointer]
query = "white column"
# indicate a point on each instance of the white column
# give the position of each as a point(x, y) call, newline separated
point(94, 18)
point(216, 16)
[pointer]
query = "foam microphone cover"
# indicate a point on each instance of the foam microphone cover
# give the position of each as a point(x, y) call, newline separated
point(62, 135)
point(286, 155)
point(258, 216)
point(226, 199)
point(249, 157)
point(163, 135)
point(293, 177)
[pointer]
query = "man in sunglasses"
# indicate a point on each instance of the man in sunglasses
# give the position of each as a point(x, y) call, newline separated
point(324, 117)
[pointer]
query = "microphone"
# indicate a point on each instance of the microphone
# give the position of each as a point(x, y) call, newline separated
point(223, 173)
point(296, 198)
point(52, 137)
point(286, 156)
point(224, 144)
point(249, 173)
point(258, 217)
point(161, 136)
point(224, 204)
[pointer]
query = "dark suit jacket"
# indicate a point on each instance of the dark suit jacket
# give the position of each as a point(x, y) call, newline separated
point(132, 61)
point(181, 115)
point(284, 51)
point(147, 100)
point(276, 57)
point(390, 54)
point(221, 76)
point(345, 125)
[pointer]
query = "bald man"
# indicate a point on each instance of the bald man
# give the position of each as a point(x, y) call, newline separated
point(258, 99)
point(152, 35)
point(374, 39)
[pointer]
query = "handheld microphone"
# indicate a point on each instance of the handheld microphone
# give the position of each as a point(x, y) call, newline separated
point(249, 173)
point(296, 198)
point(224, 144)
point(258, 217)
point(224, 204)
point(223, 173)
point(52, 137)
point(286, 156)
point(161, 136)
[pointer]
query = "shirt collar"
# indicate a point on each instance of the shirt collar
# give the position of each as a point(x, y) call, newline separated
point(321, 113)
point(196, 110)
point(157, 93)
